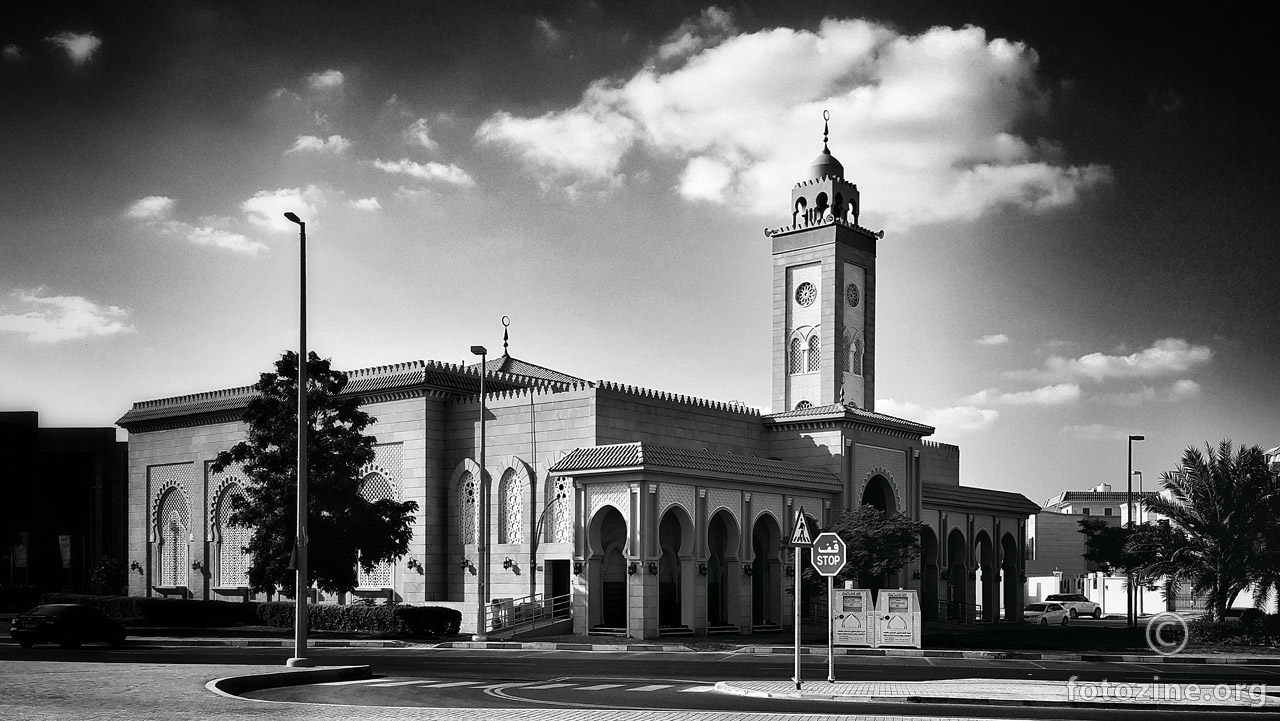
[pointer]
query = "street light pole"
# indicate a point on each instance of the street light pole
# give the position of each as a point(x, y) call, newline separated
point(1131, 618)
point(482, 546)
point(300, 541)
point(1142, 499)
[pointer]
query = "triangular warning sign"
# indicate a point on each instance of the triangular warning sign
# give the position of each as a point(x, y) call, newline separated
point(800, 533)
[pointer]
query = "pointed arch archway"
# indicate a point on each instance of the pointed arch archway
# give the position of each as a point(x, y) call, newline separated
point(929, 574)
point(957, 576)
point(675, 569)
point(987, 589)
point(1010, 578)
point(722, 567)
point(607, 582)
point(766, 571)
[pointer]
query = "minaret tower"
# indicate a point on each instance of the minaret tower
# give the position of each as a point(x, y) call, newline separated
point(824, 284)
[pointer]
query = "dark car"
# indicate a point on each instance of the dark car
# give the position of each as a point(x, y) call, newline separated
point(66, 624)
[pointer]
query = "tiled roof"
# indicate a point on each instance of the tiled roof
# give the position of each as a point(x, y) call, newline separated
point(851, 411)
point(1096, 497)
point(971, 497)
point(644, 455)
point(517, 367)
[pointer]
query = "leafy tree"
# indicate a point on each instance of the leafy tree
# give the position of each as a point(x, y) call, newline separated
point(1105, 544)
point(1222, 532)
point(343, 527)
point(879, 544)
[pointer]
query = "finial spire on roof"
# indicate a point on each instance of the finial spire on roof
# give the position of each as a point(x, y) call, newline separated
point(506, 322)
point(826, 116)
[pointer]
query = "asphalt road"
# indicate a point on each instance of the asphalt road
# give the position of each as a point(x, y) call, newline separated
point(648, 680)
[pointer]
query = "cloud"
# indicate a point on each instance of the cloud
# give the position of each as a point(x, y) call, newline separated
point(996, 339)
point(1177, 392)
point(310, 143)
point(547, 31)
point(1168, 356)
point(1096, 432)
point(13, 53)
point(1184, 390)
point(79, 47)
point(55, 318)
point(266, 208)
point(152, 206)
point(947, 421)
point(417, 133)
point(432, 171)
point(1055, 395)
point(327, 81)
point(926, 120)
point(366, 204)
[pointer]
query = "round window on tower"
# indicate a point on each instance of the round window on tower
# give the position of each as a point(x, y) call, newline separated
point(806, 294)
point(851, 294)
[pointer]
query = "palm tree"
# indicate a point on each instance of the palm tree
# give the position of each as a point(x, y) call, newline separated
point(1224, 534)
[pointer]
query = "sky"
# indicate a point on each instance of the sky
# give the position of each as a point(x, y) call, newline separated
point(1079, 205)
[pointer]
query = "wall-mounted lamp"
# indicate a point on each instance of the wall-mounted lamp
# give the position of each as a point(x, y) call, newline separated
point(653, 569)
point(702, 568)
point(415, 565)
point(791, 571)
point(507, 562)
point(135, 566)
point(577, 568)
point(631, 569)
point(464, 563)
point(916, 575)
point(747, 569)
point(197, 565)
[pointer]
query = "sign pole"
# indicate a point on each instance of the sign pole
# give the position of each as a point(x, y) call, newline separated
point(831, 631)
point(799, 556)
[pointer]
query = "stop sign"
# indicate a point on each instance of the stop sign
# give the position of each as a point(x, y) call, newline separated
point(827, 554)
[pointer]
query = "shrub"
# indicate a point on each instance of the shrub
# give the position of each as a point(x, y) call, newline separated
point(163, 611)
point(110, 578)
point(431, 621)
point(1254, 628)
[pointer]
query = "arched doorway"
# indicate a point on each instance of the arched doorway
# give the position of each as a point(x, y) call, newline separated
point(879, 493)
point(675, 534)
point(1010, 579)
point(929, 574)
point(957, 577)
point(722, 547)
point(766, 572)
point(608, 539)
point(988, 585)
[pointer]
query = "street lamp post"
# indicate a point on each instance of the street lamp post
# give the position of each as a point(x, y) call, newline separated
point(300, 541)
point(1142, 499)
point(482, 546)
point(1131, 618)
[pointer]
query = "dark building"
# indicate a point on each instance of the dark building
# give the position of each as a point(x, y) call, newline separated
point(64, 501)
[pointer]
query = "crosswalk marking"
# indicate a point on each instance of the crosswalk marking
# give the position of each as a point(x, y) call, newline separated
point(653, 687)
point(397, 683)
point(549, 685)
point(449, 684)
point(600, 687)
point(697, 689)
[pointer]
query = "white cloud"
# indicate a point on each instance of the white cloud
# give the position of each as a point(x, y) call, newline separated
point(948, 421)
point(1179, 391)
point(994, 339)
point(266, 208)
point(366, 204)
point(926, 120)
point(13, 53)
point(1096, 432)
point(433, 171)
point(1054, 395)
point(418, 134)
point(311, 143)
point(54, 318)
point(705, 179)
point(79, 47)
point(1184, 390)
point(326, 81)
point(548, 31)
point(1167, 356)
point(150, 207)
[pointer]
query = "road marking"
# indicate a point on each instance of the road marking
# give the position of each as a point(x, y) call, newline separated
point(449, 684)
point(348, 683)
point(697, 689)
point(548, 685)
point(653, 687)
point(398, 683)
point(599, 687)
point(503, 685)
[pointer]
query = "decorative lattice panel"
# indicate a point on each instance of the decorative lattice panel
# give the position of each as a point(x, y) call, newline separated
point(815, 352)
point(871, 461)
point(560, 522)
point(514, 490)
point(161, 479)
point(856, 354)
point(174, 535)
point(674, 494)
point(718, 498)
point(608, 494)
point(375, 486)
point(797, 356)
point(772, 503)
point(233, 561)
point(468, 508)
point(216, 486)
point(388, 459)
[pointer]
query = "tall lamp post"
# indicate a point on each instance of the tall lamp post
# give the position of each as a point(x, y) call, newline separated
point(1131, 617)
point(1142, 499)
point(482, 547)
point(300, 541)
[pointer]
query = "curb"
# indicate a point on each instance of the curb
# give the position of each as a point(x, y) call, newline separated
point(259, 643)
point(1022, 655)
point(536, 646)
point(233, 686)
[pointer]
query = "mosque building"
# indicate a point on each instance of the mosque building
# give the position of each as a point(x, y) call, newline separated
point(630, 511)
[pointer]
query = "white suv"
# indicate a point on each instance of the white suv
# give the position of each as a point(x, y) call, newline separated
point(1076, 604)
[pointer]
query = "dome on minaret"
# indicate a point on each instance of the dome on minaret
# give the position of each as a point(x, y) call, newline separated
point(825, 165)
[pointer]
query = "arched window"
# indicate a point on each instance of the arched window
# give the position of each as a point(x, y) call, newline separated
point(375, 487)
point(797, 356)
point(172, 520)
point(856, 355)
point(513, 490)
point(846, 347)
point(803, 406)
point(815, 352)
point(560, 513)
point(233, 561)
point(468, 508)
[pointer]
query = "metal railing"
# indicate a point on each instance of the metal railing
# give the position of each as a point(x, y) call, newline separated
point(506, 614)
point(960, 612)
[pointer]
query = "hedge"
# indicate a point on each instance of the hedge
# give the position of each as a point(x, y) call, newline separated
point(431, 621)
